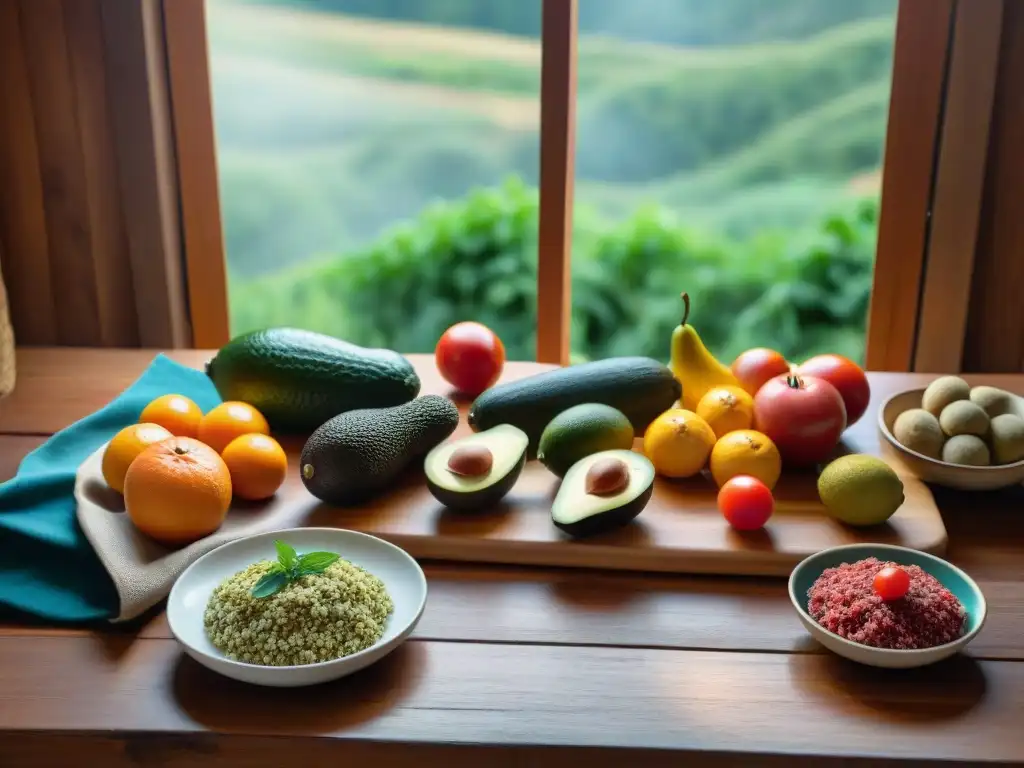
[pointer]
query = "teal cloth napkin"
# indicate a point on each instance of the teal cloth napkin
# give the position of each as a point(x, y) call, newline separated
point(48, 568)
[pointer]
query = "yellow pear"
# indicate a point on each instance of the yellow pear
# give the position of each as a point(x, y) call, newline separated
point(696, 368)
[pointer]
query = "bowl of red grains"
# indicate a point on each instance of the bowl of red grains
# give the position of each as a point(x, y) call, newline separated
point(886, 606)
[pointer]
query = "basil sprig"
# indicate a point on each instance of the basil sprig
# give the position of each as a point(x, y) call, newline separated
point(291, 566)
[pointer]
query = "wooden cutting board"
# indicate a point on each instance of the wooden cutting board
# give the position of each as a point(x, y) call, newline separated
point(680, 531)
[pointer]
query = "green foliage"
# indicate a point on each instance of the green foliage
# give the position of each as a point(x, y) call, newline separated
point(476, 259)
point(687, 22)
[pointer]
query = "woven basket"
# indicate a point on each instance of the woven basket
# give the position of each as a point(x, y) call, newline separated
point(6, 343)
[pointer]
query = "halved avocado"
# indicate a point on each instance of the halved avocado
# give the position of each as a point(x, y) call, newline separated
point(603, 491)
point(477, 471)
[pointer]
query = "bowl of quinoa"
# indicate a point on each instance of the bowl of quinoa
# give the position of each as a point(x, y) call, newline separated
point(316, 625)
point(935, 614)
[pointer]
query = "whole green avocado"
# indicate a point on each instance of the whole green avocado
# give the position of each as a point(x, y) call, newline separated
point(299, 379)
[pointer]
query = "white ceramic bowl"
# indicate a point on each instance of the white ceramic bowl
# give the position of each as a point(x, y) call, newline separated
point(951, 577)
point(960, 476)
point(190, 594)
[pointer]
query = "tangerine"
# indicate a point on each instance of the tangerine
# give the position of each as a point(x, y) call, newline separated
point(678, 443)
point(229, 420)
point(258, 466)
point(746, 452)
point(174, 412)
point(726, 408)
point(126, 445)
point(177, 491)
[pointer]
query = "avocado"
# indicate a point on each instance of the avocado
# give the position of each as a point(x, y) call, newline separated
point(300, 379)
point(640, 387)
point(360, 453)
point(580, 431)
point(603, 491)
point(476, 471)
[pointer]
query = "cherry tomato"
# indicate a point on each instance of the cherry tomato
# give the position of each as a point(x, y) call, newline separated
point(892, 583)
point(470, 357)
point(847, 377)
point(756, 366)
point(745, 502)
point(803, 415)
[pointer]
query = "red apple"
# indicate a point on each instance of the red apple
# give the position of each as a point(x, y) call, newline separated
point(803, 415)
point(756, 366)
point(847, 377)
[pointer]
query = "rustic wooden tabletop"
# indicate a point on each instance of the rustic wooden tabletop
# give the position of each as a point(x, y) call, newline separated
point(523, 666)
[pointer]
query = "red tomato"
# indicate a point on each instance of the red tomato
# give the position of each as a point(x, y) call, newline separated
point(803, 415)
point(892, 583)
point(746, 503)
point(470, 357)
point(755, 366)
point(846, 376)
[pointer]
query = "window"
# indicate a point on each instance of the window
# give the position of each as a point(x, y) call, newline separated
point(732, 150)
point(378, 166)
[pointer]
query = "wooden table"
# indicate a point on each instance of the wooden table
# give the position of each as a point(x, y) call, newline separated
point(523, 667)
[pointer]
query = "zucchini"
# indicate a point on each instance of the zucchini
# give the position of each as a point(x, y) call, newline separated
point(640, 387)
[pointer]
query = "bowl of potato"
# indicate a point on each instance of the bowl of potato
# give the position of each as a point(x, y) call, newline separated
point(958, 436)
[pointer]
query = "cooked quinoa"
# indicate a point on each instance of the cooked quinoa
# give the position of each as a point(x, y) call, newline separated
point(316, 618)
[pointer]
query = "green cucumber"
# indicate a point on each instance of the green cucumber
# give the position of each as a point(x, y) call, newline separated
point(640, 387)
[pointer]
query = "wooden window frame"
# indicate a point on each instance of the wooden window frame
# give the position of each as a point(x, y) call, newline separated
point(944, 73)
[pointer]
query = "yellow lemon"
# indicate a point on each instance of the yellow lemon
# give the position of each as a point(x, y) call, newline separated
point(746, 452)
point(726, 408)
point(678, 443)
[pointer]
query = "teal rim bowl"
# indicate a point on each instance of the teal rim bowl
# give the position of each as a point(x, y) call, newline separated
point(951, 577)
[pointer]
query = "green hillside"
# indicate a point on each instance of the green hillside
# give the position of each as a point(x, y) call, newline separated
point(331, 128)
point(683, 22)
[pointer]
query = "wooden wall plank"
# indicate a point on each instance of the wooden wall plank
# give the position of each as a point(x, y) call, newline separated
point(26, 264)
point(923, 33)
point(65, 192)
point(995, 326)
point(557, 170)
point(111, 267)
point(203, 236)
point(959, 186)
point(147, 179)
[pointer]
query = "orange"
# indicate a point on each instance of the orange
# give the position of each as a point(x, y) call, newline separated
point(126, 445)
point(177, 491)
point(678, 443)
point(174, 412)
point(746, 452)
point(228, 421)
point(726, 408)
point(258, 466)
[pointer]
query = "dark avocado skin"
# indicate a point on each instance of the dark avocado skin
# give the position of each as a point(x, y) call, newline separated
point(607, 521)
point(360, 453)
point(478, 500)
point(300, 379)
point(640, 387)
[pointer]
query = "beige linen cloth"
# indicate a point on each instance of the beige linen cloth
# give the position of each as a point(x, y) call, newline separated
point(143, 571)
point(6, 343)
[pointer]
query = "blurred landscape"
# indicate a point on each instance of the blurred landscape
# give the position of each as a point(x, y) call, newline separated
point(378, 162)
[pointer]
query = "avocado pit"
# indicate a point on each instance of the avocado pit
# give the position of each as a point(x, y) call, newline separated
point(607, 476)
point(471, 460)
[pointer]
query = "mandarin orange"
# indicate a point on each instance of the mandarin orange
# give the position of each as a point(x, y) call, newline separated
point(174, 412)
point(258, 466)
point(177, 491)
point(229, 420)
point(125, 446)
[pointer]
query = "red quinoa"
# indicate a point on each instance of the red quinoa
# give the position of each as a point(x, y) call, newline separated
point(843, 601)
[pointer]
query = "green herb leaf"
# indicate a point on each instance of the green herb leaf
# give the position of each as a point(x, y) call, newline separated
point(317, 562)
point(286, 555)
point(270, 584)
